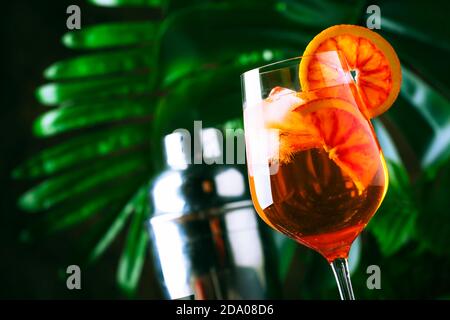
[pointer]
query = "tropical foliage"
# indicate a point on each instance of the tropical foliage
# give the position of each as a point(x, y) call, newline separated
point(135, 81)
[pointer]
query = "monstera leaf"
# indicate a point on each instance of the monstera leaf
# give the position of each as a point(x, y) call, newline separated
point(135, 81)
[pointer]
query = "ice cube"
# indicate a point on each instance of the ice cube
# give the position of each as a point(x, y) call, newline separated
point(278, 106)
point(265, 122)
point(278, 110)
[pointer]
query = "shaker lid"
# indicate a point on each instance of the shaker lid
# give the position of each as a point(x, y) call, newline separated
point(177, 150)
point(203, 146)
point(196, 177)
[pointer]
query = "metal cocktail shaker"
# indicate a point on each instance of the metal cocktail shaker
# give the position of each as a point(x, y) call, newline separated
point(207, 240)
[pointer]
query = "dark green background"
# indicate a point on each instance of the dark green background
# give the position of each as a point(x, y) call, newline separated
point(409, 238)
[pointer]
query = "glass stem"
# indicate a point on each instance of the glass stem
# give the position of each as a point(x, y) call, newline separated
point(340, 270)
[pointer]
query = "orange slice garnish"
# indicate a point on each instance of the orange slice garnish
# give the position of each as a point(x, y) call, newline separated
point(340, 129)
point(370, 59)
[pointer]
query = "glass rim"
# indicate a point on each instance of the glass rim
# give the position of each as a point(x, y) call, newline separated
point(288, 60)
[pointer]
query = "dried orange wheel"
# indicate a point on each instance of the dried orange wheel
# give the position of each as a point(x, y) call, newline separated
point(370, 58)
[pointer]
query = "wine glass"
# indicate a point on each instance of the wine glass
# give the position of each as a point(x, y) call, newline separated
point(316, 170)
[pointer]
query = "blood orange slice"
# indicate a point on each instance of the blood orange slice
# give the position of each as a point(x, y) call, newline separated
point(370, 58)
point(338, 127)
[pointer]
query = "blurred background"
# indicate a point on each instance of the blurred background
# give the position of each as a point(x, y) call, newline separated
point(84, 114)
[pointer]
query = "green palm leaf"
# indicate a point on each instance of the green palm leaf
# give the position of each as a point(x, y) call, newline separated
point(394, 223)
point(63, 219)
point(111, 35)
point(118, 224)
point(79, 210)
point(90, 114)
point(434, 108)
point(80, 149)
point(98, 64)
point(57, 189)
point(67, 92)
point(133, 256)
